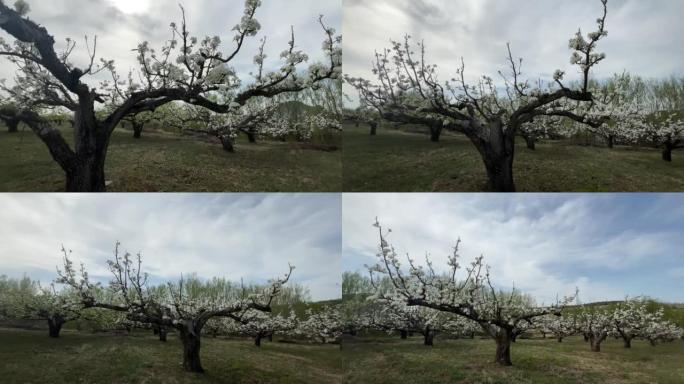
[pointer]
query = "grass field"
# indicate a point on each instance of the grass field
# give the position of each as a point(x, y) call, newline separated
point(398, 361)
point(32, 357)
point(398, 161)
point(166, 162)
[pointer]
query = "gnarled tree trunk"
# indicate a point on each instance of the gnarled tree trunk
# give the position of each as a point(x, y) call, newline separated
point(257, 340)
point(404, 334)
point(503, 347)
point(497, 151)
point(610, 141)
point(190, 336)
point(668, 147)
point(251, 136)
point(435, 132)
point(55, 324)
point(373, 128)
point(137, 130)
point(162, 333)
point(227, 143)
point(429, 336)
point(12, 125)
point(531, 142)
point(595, 341)
point(87, 173)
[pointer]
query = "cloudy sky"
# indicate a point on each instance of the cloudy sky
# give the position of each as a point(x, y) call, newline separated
point(121, 24)
point(644, 37)
point(608, 246)
point(250, 236)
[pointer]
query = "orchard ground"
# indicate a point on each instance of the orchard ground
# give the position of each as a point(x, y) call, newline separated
point(162, 161)
point(392, 360)
point(406, 161)
point(29, 356)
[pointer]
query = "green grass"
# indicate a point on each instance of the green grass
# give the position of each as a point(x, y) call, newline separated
point(399, 161)
point(535, 361)
point(167, 162)
point(32, 357)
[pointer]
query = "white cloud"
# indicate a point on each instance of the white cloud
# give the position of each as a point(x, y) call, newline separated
point(120, 25)
point(643, 35)
point(544, 244)
point(234, 236)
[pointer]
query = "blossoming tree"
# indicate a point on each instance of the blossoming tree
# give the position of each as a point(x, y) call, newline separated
point(408, 88)
point(321, 326)
point(500, 314)
point(185, 306)
point(185, 69)
point(259, 325)
point(595, 324)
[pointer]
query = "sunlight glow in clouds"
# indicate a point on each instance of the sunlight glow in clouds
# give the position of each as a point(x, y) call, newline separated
point(131, 6)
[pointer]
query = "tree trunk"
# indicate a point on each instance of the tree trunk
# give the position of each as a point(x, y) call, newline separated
point(257, 341)
point(12, 126)
point(155, 330)
point(227, 143)
point(497, 151)
point(586, 337)
point(560, 339)
point(429, 337)
point(627, 341)
point(667, 151)
point(611, 141)
point(531, 142)
point(87, 174)
point(373, 128)
point(251, 137)
point(595, 341)
point(435, 133)
point(137, 130)
point(503, 347)
point(162, 334)
point(191, 349)
point(55, 324)
point(404, 334)
point(270, 337)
